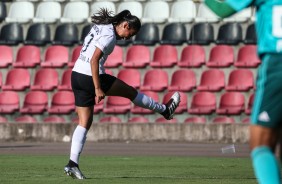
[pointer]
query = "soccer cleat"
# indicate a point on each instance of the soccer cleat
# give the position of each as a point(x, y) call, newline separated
point(74, 172)
point(171, 106)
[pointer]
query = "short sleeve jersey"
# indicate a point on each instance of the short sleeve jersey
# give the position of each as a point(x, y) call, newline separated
point(268, 23)
point(102, 37)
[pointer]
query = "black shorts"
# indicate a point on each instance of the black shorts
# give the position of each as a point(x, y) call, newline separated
point(84, 90)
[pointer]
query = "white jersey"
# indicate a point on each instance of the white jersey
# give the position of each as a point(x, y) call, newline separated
point(101, 36)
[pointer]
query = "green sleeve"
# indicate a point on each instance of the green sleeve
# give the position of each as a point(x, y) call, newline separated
point(220, 8)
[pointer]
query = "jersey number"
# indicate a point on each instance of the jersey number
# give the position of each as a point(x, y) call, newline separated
point(277, 21)
point(85, 46)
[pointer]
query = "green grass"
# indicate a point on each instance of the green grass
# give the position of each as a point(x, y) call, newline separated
point(127, 170)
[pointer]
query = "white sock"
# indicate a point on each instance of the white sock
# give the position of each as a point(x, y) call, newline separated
point(147, 102)
point(78, 140)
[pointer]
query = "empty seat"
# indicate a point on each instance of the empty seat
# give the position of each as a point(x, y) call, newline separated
point(130, 76)
point(38, 34)
point(75, 55)
point(46, 79)
point(195, 119)
point(96, 6)
point(110, 119)
point(3, 11)
point(251, 35)
point(230, 34)
point(231, 103)
point(11, 34)
point(62, 103)
point(203, 103)
point(150, 14)
point(48, 12)
point(182, 105)
point(25, 119)
point(182, 11)
point(163, 120)
point(28, 56)
point(117, 105)
point(247, 57)
point(17, 79)
point(147, 35)
point(66, 80)
point(155, 80)
point(9, 102)
point(201, 34)
point(240, 80)
point(248, 110)
point(137, 56)
point(134, 7)
point(138, 119)
point(192, 56)
point(21, 12)
point(182, 80)
point(212, 80)
point(66, 34)
point(75, 12)
point(164, 56)
point(206, 15)
point(35, 102)
point(54, 119)
point(6, 56)
point(55, 56)
point(221, 56)
point(141, 110)
point(115, 59)
point(174, 34)
point(242, 16)
point(85, 30)
point(223, 119)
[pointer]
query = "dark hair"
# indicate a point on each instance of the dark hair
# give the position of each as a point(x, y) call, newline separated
point(105, 16)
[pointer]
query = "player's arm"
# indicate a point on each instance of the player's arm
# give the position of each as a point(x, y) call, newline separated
point(220, 8)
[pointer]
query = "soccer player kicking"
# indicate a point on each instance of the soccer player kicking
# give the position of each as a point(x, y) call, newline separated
point(89, 78)
point(266, 118)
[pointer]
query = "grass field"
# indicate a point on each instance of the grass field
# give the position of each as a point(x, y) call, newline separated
point(127, 170)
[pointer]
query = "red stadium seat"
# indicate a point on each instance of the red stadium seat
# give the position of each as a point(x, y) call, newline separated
point(56, 56)
point(130, 76)
point(9, 102)
point(221, 56)
point(115, 59)
point(155, 80)
point(110, 119)
point(240, 80)
point(35, 102)
point(17, 79)
point(231, 103)
point(183, 103)
point(247, 57)
point(98, 107)
point(192, 56)
point(203, 103)
point(75, 55)
point(28, 56)
point(25, 119)
point(212, 80)
point(183, 80)
point(246, 120)
point(3, 119)
point(117, 105)
point(66, 80)
point(46, 79)
point(0, 79)
point(140, 110)
point(62, 103)
point(6, 56)
point(163, 120)
point(223, 119)
point(164, 56)
point(138, 119)
point(137, 56)
point(248, 110)
point(195, 119)
point(54, 119)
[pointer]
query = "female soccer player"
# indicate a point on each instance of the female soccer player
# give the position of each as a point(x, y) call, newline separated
point(89, 78)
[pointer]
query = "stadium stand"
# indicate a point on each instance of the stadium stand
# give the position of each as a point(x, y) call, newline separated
point(17, 79)
point(75, 12)
point(182, 11)
point(230, 34)
point(75, 55)
point(192, 56)
point(221, 56)
point(62, 103)
point(240, 80)
point(20, 12)
point(110, 119)
point(117, 105)
point(251, 35)
point(54, 119)
point(56, 56)
point(212, 80)
point(95, 6)
point(28, 56)
point(66, 34)
point(163, 120)
point(195, 119)
point(137, 119)
point(164, 56)
point(155, 80)
point(11, 34)
point(85, 30)
point(38, 34)
point(201, 34)
point(137, 56)
point(206, 15)
point(99, 107)
point(241, 17)
point(6, 56)
point(150, 14)
point(247, 57)
point(35, 102)
point(203, 103)
point(9, 102)
point(48, 12)
point(46, 79)
point(0, 79)
point(131, 77)
point(174, 34)
point(25, 119)
point(115, 59)
point(231, 103)
point(183, 80)
point(223, 119)
point(3, 119)
point(65, 80)
point(147, 35)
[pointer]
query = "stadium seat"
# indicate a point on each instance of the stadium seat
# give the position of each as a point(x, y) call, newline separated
point(134, 7)
point(6, 56)
point(223, 119)
point(66, 80)
point(163, 120)
point(25, 119)
point(241, 17)
point(247, 57)
point(240, 80)
point(246, 120)
point(196, 119)
point(130, 76)
point(54, 119)
point(137, 119)
point(115, 59)
point(248, 110)
point(182, 11)
point(28, 56)
point(147, 35)
point(74, 56)
point(11, 34)
point(231, 103)
point(99, 107)
point(174, 34)
point(251, 35)
point(155, 80)
point(48, 12)
point(201, 34)
point(20, 12)
point(164, 56)
point(55, 56)
point(110, 119)
point(117, 105)
point(3, 11)
point(221, 56)
point(85, 30)
point(139, 110)
point(17, 79)
point(46, 79)
point(183, 80)
point(212, 80)
point(150, 14)
point(38, 34)
point(9, 102)
point(66, 34)
point(0, 79)
point(35, 102)
point(230, 34)
point(182, 105)
point(204, 14)
point(95, 6)
point(203, 103)
point(137, 56)
point(62, 103)
point(3, 119)
point(75, 12)
point(192, 56)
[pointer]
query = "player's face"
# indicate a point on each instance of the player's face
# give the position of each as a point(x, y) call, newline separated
point(124, 31)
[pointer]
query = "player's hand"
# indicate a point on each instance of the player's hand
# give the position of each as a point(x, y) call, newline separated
point(99, 94)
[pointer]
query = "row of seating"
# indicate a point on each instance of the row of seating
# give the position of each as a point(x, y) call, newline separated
point(174, 34)
point(62, 102)
point(79, 12)
point(136, 56)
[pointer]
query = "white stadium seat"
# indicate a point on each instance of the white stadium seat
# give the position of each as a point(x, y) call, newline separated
point(133, 6)
point(182, 11)
point(48, 12)
point(242, 16)
point(102, 4)
point(75, 12)
point(155, 12)
point(206, 15)
point(21, 12)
